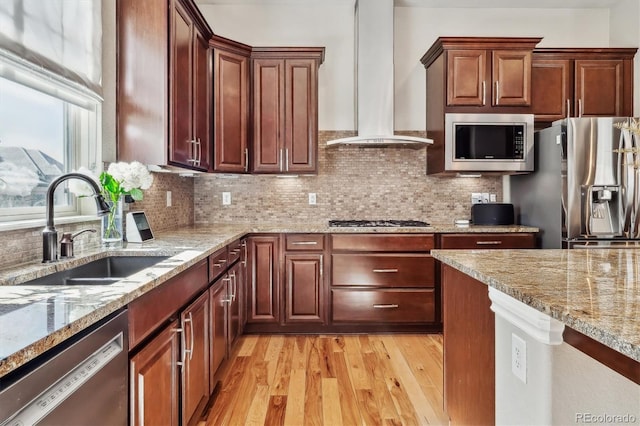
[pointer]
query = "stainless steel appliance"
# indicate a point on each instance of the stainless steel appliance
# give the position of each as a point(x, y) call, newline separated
point(584, 191)
point(376, 223)
point(489, 142)
point(82, 383)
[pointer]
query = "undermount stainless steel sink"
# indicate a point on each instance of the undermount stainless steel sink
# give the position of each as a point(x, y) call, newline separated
point(105, 271)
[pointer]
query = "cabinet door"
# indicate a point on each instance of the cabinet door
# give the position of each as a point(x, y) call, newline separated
point(552, 80)
point(268, 115)
point(304, 288)
point(202, 102)
point(511, 77)
point(598, 88)
point(234, 295)
point(263, 290)
point(218, 324)
point(154, 380)
point(466, 77)
point(181, 82)
point(301, 127)
point(231, 109)
point(195, 364)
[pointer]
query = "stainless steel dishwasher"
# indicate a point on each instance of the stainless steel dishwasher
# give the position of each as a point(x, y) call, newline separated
point(82, 383)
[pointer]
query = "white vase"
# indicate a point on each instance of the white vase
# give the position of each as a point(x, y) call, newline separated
point(112, 232)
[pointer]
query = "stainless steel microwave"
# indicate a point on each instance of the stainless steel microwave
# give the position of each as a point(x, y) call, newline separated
point(489, 142)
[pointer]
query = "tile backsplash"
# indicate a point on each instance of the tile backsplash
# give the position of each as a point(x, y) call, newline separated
point(352, 183)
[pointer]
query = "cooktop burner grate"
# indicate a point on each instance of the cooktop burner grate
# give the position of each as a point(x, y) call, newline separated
point(376, 223)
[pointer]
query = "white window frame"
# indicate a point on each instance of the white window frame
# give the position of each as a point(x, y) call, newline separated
point(87, 133)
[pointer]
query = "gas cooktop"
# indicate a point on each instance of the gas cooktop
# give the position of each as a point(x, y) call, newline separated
point(376, 223)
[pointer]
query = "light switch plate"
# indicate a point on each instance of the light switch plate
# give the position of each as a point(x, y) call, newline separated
point(476, 198)
point(226, 198)
point(312, 199)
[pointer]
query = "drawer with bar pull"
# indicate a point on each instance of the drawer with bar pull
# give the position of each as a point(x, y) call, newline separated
point(487, 241)
point(304, 242)
point(388, 305)
point(382, 270)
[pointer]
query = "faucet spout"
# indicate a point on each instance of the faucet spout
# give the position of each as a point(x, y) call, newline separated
point(49, 234)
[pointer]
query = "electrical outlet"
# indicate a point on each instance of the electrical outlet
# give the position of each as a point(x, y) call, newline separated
point(226, 198)
point(519, 357)
point(492, 198)
point(476, 198)
point(485, 197)
point(168, 198)
point(312, 198)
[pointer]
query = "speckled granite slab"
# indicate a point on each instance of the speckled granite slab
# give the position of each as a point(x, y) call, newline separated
point(593, 291)
point(34, 319)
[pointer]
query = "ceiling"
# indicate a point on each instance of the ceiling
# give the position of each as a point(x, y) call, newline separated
point(526, 4)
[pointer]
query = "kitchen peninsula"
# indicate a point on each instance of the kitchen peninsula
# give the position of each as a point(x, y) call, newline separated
point(557, 304)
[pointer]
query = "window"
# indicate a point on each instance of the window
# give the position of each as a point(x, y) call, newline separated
point(50, 101)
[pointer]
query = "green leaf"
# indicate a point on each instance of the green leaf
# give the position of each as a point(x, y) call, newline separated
point(136, 194)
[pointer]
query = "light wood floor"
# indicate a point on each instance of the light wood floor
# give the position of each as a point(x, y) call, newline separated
point(332, 380)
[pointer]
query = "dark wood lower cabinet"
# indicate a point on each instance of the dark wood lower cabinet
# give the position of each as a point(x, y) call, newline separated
point(469, 353)
point(155, 380)
point(234, 299)
point(195, 363)
point(263, 288)
point(218, 326)
point(304, 289)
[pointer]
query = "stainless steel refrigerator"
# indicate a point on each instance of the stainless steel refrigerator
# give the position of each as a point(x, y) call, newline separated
point(584, 191)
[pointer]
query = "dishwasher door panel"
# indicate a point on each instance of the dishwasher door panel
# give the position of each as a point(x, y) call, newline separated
point(84, 383)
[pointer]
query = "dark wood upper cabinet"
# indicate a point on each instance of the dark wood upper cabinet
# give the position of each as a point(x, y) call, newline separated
point(230, 105)
point(164, 89)
point(582, 82)
point(479, 74)
point(285, 109)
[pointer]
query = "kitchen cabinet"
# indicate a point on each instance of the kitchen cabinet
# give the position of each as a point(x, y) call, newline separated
point(263, 289)
point(285, 109)
point(304, 287)
point(383, 279)
point(194, 321)
point(230, 105)
point(164, 89)
point(163, 352)
point(488, 240)
point(155, 380)
point(218, 327)
point(479, 72)
point(576, 82)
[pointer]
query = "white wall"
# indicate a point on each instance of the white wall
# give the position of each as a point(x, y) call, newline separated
point(330, 24)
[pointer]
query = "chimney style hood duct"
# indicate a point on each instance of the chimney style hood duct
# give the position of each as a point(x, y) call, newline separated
point(374, 78)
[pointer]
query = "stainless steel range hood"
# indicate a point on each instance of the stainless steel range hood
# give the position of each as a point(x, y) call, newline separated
point(374, 79)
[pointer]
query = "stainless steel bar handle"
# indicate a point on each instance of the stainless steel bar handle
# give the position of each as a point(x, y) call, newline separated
point(484, 92)
point(488, 243)
point(497, 92)
point(246, 159)
point(232, 277)
point(384, 271)
point(192, 336)
point(286, 163)
point(244, 246)
point(186, 351)
point(281, 157)
point(321, 265)
point(304, 243)
point(568, 108)
point(580, 107)
point(192, 152)
point(386, 306)
point(199, 157)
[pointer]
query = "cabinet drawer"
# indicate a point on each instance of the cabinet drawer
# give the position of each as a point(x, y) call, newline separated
point(382, 242)
point(149, 311)
point(487, 241)
point(234, 252)
point(403, 306)
point(218, 263)
point(304, 242)
point(383, 270)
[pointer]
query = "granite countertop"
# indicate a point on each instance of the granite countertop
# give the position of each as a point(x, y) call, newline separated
point(593, 291)
point(33, 319)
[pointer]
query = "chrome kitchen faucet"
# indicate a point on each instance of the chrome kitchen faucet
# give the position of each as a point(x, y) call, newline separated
point(49, 234)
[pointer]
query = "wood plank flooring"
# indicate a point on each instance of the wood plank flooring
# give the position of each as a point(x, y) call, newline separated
point(332, 380)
